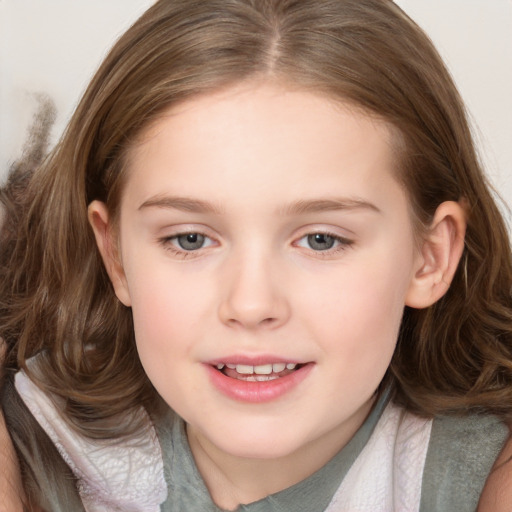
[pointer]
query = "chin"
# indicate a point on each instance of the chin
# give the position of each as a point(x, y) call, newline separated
point(258, 446)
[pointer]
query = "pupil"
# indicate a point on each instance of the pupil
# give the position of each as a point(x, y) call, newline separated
point(191, 241)
point(320, 242)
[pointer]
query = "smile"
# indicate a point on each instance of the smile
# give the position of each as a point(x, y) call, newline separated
point(259, 373)
point(257, 383)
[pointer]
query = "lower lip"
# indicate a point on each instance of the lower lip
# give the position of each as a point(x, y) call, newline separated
point(257, 392)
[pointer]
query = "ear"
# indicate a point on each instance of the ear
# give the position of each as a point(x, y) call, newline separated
point(103, 232)
point(439, 256)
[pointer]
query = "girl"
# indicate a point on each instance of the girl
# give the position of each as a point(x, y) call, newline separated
point(261, 271)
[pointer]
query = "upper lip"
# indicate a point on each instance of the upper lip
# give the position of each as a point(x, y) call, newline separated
point(253, 360)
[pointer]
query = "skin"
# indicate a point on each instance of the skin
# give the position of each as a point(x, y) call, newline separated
point(497, 494)
point(10, 480)
point(11, 490)
point(262, 167)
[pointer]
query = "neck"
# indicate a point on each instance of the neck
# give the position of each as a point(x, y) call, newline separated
point(233, 480)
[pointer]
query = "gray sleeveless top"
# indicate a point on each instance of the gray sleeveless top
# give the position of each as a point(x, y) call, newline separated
point(456, 457)
point(459, 456)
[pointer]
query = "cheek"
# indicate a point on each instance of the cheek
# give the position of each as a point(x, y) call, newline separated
point(359, 313)
point(172, 313)
point(161, 313)
point(165, 334)
point(159, 304)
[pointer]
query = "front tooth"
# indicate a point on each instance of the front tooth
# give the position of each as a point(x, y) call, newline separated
point(291, 366)
point(231, 366)
point(264, 369)
point(278, 367)
point(244, 369)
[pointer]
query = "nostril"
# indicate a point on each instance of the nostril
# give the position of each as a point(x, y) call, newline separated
point(253, 311)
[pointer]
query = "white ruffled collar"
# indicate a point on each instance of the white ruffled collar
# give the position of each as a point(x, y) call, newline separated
point(124, 476)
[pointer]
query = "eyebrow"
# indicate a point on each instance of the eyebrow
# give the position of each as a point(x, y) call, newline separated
point(185, 204)
point(321, 205)
point(302, 206)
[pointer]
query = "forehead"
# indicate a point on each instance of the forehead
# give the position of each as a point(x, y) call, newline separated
point(263, 137)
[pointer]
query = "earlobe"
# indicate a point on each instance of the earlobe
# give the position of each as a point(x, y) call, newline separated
point(439, 256)
point(100, 221)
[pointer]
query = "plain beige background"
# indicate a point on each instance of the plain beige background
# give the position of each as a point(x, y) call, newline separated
point(54, 46)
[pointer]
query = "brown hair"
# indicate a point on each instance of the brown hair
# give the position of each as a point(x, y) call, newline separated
point(56, 297)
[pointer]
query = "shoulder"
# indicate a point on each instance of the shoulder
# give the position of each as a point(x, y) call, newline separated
point(83, 472)
point(461, 454)
point(497, 493)
point(11, 490)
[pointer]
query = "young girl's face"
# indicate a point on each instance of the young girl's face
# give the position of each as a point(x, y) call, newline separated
point(267, 252)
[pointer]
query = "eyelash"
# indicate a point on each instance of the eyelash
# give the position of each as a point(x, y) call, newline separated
point(168, 243)
point(341, 244)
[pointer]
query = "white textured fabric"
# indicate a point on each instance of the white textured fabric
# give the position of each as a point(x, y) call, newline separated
point(387, 475)
point(126, 476)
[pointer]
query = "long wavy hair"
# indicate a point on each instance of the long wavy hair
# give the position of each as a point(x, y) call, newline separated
point(55, 297)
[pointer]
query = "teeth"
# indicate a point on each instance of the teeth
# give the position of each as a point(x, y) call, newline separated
point(263, 378)
point(244, 369)
point(264, 369)
point(260, 378)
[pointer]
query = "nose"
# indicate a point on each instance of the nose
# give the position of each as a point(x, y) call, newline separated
point(253, 294)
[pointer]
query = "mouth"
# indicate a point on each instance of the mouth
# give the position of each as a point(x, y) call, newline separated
point(257, 373)
point(257, 381)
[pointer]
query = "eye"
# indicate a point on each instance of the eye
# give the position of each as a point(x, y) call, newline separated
point(190, 241)
point(320, 241)
point(323, 242)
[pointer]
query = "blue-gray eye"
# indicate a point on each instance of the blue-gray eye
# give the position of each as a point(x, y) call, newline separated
point(190, 241)
point(321, 241)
